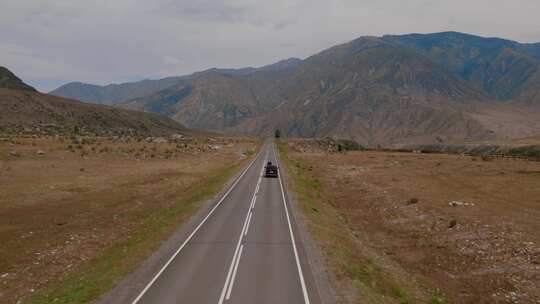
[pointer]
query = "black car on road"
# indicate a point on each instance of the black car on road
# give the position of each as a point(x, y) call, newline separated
point(270, 170)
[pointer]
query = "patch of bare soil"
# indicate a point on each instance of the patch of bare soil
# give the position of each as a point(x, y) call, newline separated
point(64, 201)
point(460, 225)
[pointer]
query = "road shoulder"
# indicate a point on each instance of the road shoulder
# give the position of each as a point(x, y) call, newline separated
point(312, 253)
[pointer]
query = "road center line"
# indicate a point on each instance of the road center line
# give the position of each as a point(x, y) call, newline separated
point(198, 227)
point(235, 271)
point(249, 220)
point(233, 268)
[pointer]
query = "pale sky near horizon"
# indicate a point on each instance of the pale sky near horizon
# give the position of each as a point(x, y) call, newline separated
point(49, 43)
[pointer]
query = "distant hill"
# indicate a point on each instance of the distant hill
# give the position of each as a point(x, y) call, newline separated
point(8, 80)
point(113, 93)
point(26, 112)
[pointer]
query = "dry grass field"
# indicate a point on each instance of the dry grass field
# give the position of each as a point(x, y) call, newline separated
point(76, 215)
point(422, 228)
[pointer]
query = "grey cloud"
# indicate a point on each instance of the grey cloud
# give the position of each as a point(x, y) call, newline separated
point(285, 23)
point(214, 11)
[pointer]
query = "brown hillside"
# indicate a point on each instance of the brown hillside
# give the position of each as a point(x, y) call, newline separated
point(8, 80)
point(30, 112)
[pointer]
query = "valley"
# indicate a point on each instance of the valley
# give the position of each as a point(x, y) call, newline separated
point(405, 169)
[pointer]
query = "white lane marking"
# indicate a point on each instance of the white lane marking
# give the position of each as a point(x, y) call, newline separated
point(302, 281)
point(253, 199)
point(249, 220)
point(236, 257)
point(195, 231)
point(234, 272)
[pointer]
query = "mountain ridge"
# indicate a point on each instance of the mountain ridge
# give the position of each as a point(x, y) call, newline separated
point(112, 94)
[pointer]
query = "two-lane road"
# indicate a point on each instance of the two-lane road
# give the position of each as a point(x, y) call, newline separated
point(245, 250)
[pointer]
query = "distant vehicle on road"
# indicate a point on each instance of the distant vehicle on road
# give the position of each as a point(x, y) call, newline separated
point(270, 170)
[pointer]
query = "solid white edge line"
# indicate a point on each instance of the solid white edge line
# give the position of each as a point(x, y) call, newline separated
point(236, 257)
point(302, 281)
point(195, 231)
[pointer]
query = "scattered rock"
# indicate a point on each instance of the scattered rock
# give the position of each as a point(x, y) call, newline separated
point(177, 137)
point(452, 224)
point(40, 152)
point(159, 140)
point(214, 147)
point(459, 204)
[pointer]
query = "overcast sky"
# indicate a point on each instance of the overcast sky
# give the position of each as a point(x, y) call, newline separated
point(50, 42)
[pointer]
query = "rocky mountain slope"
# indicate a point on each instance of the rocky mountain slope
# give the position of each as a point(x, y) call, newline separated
point(215, 100)
point(8, 80)
point(390, 91)
point(375, 93)
point(502, 69)
point(24, 112)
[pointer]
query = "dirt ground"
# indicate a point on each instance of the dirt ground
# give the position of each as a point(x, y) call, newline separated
point(64, 202)
point(442, 228)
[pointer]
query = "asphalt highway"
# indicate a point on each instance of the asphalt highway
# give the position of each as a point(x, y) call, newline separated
point(246, 250)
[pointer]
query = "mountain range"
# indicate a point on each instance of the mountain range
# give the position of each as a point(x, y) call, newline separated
point(390, 91)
